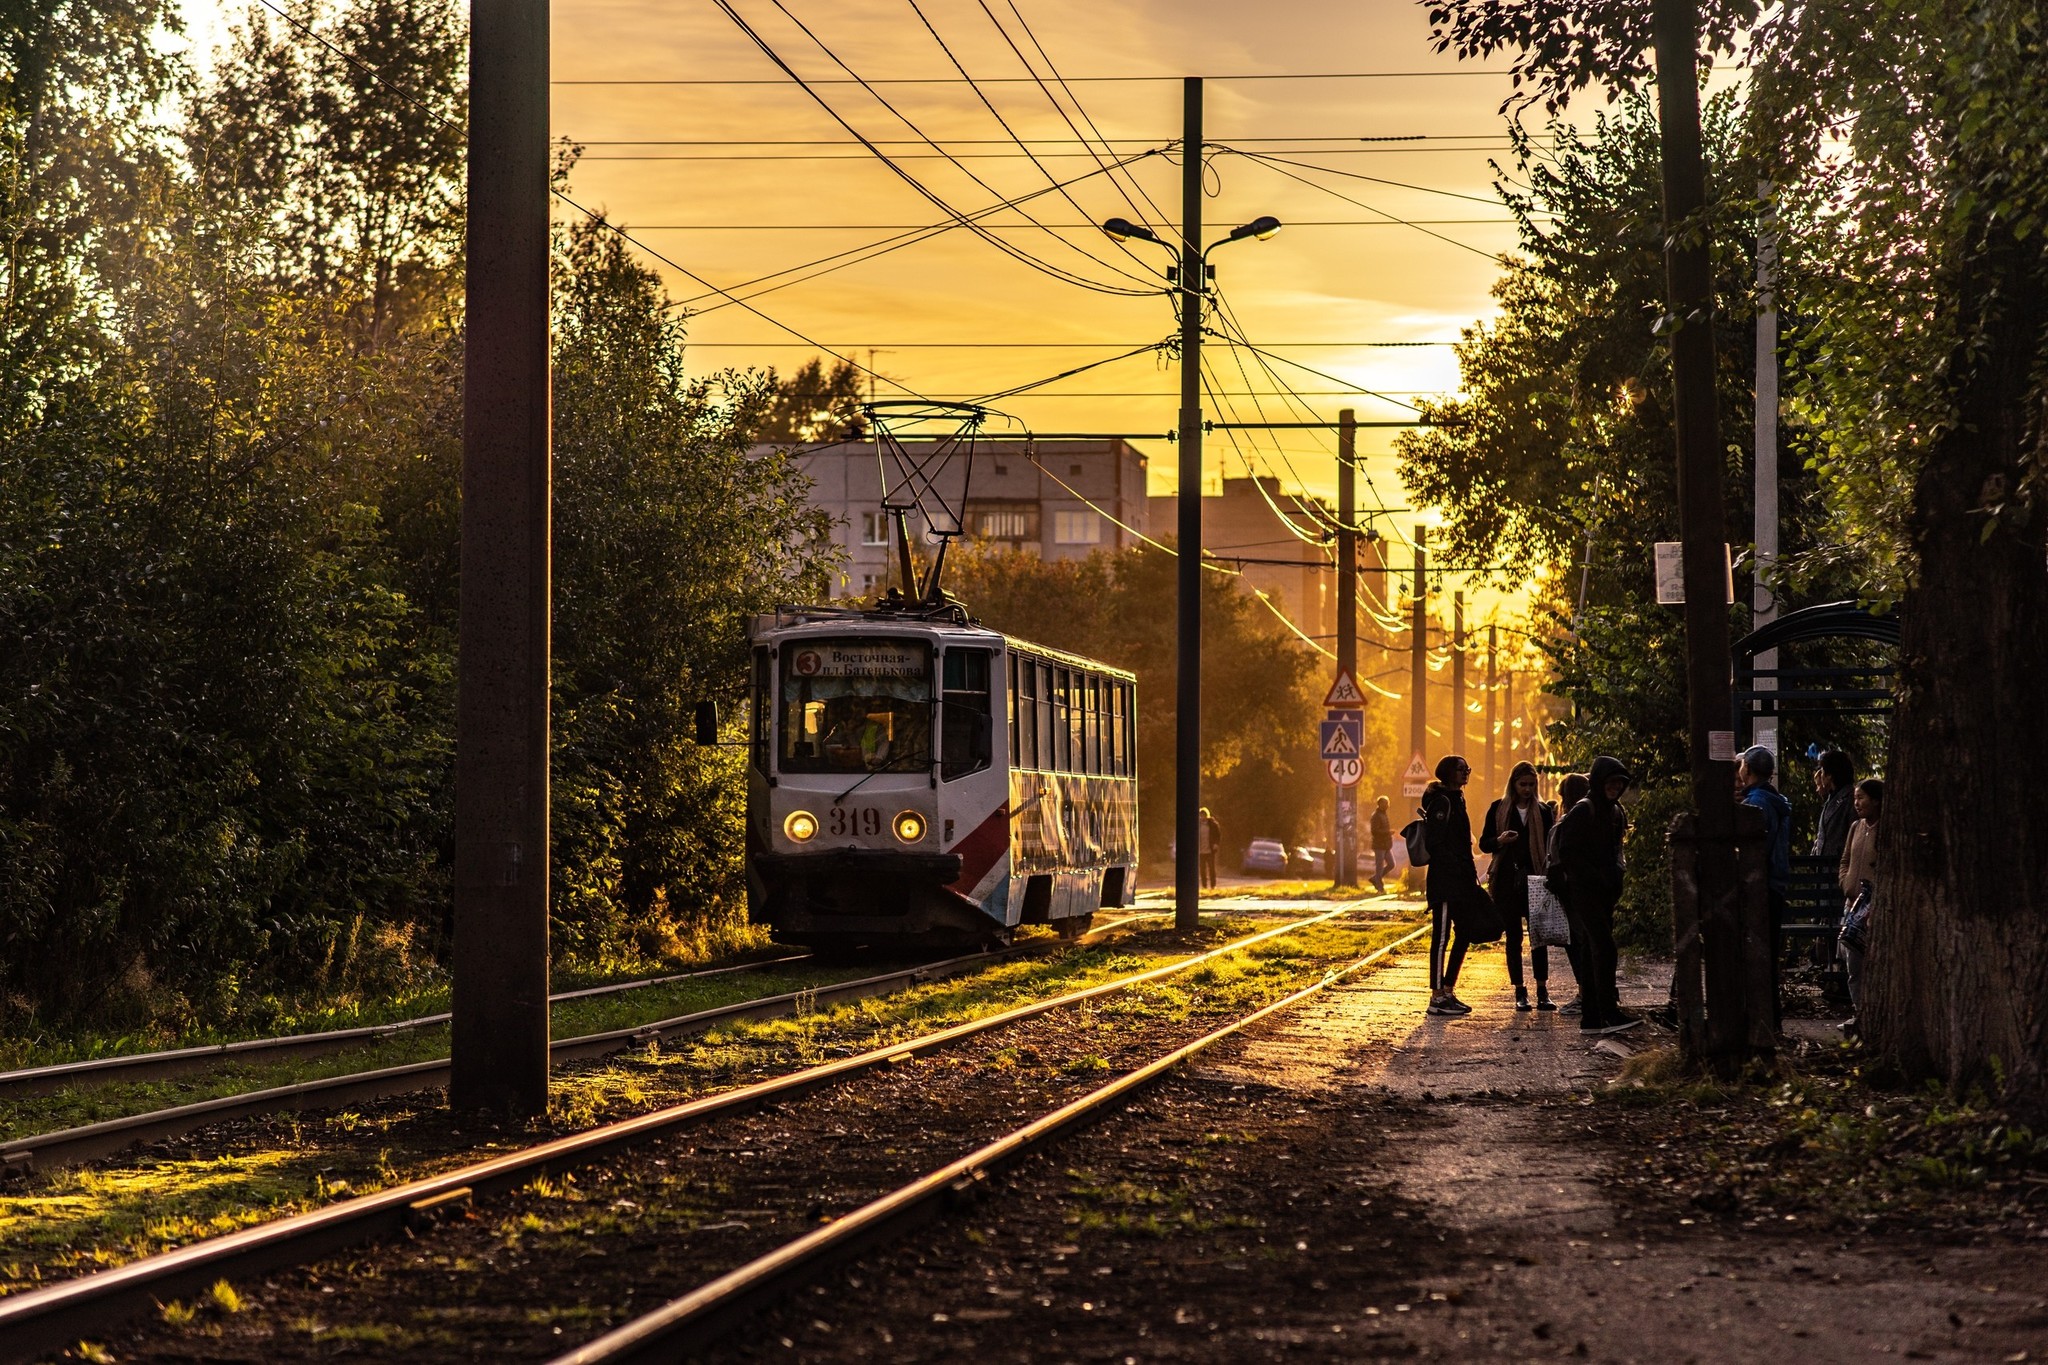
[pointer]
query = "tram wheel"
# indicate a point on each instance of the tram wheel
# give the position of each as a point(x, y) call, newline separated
point(1073, 926)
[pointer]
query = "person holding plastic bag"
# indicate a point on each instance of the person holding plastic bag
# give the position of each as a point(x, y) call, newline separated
point(1517, 833)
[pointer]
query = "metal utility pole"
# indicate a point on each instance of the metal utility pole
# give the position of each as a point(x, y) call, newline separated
point(1418, 639)
point(1187, 724)
point(1457, 737)
point(1347, 622)
point(1763, 604)
point(1720, 927)
point(500, 1028)
point(1494, 776)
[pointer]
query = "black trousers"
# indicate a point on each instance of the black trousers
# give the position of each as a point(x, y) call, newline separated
point(1595, 960)
point(1511, 895)
point(1208, 869)
point(1446, 944)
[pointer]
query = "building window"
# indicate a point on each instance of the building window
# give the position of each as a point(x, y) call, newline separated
point(1013, 522)
point(870, 583)
point(874, 528)
point(1077, 528)
point(1002, 469)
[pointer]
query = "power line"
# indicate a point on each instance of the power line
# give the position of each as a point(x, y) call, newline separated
point(1292, 224)
point(1070, 80)
point(1359, 203)
point(957, 157)
point(1049, 345)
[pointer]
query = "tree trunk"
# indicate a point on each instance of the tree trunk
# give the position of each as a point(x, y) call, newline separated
point(1958, 976)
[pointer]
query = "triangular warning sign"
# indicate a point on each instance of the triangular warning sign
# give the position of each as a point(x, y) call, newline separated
point(1416, 771)
point(1344, 692)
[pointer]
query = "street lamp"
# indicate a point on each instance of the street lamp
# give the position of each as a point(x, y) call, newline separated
point(1192, 280)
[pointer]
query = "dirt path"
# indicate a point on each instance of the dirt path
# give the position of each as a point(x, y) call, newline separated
point(1362, 1182)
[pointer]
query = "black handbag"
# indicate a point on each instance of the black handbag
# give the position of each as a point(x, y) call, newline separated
point(1477, 918)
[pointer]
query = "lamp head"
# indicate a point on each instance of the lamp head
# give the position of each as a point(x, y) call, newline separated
point(1261, 228)
point(1123, 229)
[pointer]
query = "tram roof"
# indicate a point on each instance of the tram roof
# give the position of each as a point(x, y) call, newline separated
point(824, 619)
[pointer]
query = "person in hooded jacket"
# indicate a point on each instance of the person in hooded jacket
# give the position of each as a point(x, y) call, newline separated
point(1447, 830)
point(1589, 862)
point(1754, 773)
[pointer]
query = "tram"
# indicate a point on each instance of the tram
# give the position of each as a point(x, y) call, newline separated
point(915, 779)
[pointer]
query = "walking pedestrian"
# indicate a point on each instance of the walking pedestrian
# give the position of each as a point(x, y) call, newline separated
point(1570, 792)
point(1834, 781)
point(1589, 862)
point(1209, 833)
point(1382, 845)
point(1447, 830)
point(1859, 865)
point(1517, 833)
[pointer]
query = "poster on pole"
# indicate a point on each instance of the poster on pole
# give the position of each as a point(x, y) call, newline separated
point(1671, 572)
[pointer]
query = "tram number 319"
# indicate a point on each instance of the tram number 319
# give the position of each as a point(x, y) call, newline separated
point(845, 823)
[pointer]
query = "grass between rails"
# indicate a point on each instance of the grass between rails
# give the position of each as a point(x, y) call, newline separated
point(247, 1173)
point(1823, 1141)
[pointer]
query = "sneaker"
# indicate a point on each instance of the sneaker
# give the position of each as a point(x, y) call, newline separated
point(1444, 1006)
point(1522, 1004)
point(1573, 1007)
point(1543, 1001)
point(1455, 1005)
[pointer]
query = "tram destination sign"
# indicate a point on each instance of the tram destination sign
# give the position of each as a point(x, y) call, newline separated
point(858, 659)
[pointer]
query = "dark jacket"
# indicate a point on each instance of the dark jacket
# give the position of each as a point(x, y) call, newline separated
point(1587, 849)
point(1514, 857)
point(1777, 832)
point(1837, 814)
point(1447, 829)
point(1382, 831)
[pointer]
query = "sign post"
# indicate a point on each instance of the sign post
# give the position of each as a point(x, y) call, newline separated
point(1343, 745)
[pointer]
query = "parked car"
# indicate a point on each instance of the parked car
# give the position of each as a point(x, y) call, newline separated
point(1312, 862)
point(1266, 857)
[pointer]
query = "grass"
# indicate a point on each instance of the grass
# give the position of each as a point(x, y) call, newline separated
point(88, 1219)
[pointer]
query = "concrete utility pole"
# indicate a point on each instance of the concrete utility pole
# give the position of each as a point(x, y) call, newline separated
point(1187, 735)
point(1513, 743)
point(1458, 727)
point(1494, 776)
point(1418, 638)
point(500, 1030)
point(1735, 1021)
point(1347, 621)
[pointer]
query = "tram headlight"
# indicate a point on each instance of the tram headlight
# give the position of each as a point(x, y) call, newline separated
point(910, 827)
point(801, 826)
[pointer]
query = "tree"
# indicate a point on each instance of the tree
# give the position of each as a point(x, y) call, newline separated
point(1925, 356)
point(813, 405)
point(1261, 763)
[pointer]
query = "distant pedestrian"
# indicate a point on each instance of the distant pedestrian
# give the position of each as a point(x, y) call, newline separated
point(1447, 831)
point(1570, 792)
point(1859, 866)
point(1834, 781)
point(1589, 863)
point(1758, 766)
point(1382, 845)
point(1517, 833)
point(1209, 837)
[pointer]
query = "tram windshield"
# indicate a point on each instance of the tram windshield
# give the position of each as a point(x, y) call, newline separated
point(859, 705)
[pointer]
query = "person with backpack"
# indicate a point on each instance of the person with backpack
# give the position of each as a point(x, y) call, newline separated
point(1589, 866)
point(1517, 833)
point(1450, 873)
point(1754, 772)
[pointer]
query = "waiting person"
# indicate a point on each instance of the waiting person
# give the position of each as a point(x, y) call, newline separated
point(1570, 792)
point(1589, 862)
point(1517, 833)
point(1834, 781)
point(1447, 830)
point(1859, 866)
point(1209, 837)
point(1382, 845)
point(1754, 774)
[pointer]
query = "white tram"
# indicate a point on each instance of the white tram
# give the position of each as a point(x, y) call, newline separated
point(914, 778)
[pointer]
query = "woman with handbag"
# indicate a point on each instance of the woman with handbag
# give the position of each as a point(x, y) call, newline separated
point(1517, 834)
point(1452, 875)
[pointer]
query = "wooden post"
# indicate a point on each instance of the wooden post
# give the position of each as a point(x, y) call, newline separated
point(1687, 997)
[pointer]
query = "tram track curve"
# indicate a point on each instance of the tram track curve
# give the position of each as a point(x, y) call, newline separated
point(41, 1320)
point(692, 1321)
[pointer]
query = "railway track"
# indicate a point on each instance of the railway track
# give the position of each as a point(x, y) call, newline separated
point(685, 1325)
point(50, 1318)
point(146, 1066)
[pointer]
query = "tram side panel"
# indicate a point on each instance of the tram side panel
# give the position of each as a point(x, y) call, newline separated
point(1074, 843)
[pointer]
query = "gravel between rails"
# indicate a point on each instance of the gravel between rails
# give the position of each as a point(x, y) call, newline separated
point(525, 1275)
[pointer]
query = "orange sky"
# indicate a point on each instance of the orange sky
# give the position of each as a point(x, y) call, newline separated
point(667, 162)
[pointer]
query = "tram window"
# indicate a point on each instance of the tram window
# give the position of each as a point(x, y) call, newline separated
point(1119, 730)
point(1026, 741)
point(1042, 714)
point(1076, 738)
point(964, 715)
point(1010, 703)
point(1062, 744)
point(1091, 692)
point(857, 704)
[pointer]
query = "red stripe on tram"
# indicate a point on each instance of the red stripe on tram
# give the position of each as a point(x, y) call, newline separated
point(984, 844)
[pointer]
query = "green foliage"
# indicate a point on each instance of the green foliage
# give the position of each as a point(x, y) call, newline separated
point(812, 405)
point(1262, 774)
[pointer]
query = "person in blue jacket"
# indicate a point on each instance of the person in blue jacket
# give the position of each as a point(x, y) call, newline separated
point(1754, 775)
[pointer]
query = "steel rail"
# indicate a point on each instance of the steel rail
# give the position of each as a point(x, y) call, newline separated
point(683, 1327)
point(71, 1146)
point(179, 1061)
point(53, 1317)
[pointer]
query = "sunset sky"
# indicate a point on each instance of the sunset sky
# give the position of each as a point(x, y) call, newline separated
point(712, 156)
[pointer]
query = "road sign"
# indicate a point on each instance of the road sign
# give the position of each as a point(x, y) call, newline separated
point(1416, 780)
point(1343, 734)
point(1344, 692)
point(1345, 772)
